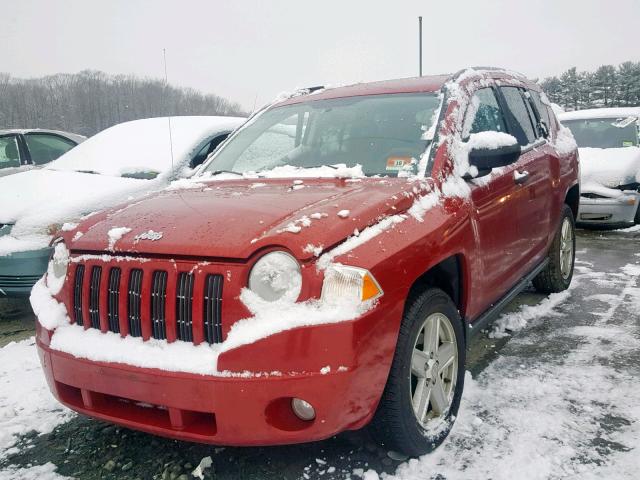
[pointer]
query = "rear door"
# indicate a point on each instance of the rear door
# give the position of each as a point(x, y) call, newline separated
point(532, 177)
point(494, 215)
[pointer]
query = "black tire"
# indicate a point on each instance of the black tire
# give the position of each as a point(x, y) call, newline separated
point(552, 279)
point(636, 219)
point(395, 424)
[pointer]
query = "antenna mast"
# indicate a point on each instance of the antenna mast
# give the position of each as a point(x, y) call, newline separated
point(166, 84)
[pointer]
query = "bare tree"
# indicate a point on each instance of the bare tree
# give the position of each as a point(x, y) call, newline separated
point(90, 101)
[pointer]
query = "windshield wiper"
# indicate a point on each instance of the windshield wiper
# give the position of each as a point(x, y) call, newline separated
point(218, 172)
point(318, 166)
point(92, 172)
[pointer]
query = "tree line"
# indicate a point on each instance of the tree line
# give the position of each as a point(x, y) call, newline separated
point(608, 86)
point(90, 101)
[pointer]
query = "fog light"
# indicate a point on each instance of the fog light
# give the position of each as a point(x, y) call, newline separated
point(302, 409)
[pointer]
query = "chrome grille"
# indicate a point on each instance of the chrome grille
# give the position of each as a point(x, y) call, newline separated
point(158, 305)
point(184, 307)
point(164, 304)
point(134, 303)
point(212, 309)
point(113, 300)
point(94, 297)
point(77, 295)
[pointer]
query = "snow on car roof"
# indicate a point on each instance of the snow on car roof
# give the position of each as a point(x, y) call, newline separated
point(144, 145)
point(600, 113)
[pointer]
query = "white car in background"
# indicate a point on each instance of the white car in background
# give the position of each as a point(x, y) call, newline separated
point(122, 162)
point(608, 141)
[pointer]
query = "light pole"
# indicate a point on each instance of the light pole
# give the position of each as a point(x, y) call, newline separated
point(420, 43)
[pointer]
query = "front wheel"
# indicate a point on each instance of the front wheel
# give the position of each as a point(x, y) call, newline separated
point(423, 391)
point(557, 275)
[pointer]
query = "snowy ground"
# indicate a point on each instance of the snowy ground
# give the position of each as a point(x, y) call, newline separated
point(552, 392)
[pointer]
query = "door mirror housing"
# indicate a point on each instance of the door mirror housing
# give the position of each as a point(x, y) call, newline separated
point(489, 150)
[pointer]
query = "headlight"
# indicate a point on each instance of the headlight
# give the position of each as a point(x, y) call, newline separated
point(352, 284)
point(57, 269)
point(276, 276)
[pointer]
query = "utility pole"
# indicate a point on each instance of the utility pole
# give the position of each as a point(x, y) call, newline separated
point(420, 43)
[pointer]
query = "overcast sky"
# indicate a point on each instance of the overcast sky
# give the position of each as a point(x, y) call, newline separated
point(248, 50)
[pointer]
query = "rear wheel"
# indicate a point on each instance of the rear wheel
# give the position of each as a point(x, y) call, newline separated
point(558, 273)
point(422, 395)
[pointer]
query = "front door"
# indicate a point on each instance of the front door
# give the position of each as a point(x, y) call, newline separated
point(493, 217)
point(532, 177)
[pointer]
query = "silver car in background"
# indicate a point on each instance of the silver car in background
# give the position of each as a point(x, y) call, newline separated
point(26, 148)
point(608, 141)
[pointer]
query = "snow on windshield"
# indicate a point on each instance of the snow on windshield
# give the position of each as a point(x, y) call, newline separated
point(383, 133)
point(144, 145)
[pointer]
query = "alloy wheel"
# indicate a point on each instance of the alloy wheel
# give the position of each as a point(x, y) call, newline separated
point(566, 249)
point(434, 369)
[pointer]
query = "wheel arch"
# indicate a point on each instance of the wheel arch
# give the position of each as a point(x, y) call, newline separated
point(572, 198)
point(448, 276)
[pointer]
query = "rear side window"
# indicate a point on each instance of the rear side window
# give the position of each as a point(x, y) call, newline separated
point(519, 112)
point(44, 147)
point(484, 114)
point(9, 153)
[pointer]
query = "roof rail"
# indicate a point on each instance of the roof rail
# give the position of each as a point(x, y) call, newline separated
point(488, 69)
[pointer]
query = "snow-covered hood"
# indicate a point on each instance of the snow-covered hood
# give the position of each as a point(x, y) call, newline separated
point(233, 219)
point(609, 167)
point(35, 200)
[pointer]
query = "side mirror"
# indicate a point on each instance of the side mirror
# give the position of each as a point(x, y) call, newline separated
point(488, 150)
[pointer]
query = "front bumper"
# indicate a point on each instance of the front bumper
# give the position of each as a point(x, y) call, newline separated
point(609, 211)
point(21, 270)
point(241, 410)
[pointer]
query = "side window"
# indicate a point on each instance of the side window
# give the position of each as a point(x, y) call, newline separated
point(542, 108)
point(44, 147)
point(519, 115)
point(207, 150)
point(201, 155)
point(484, 114)
point(9, 153)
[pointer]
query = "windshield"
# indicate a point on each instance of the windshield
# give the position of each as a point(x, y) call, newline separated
point(604, 132)
point(383, 133)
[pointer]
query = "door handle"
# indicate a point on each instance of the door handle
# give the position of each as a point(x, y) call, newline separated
point(520, 177)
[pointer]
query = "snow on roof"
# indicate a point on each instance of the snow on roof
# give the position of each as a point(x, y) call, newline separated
point(600, 113)
point(144, 145)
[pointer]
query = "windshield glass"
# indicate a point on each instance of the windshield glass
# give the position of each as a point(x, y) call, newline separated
point(604, 132)
point(383, 133)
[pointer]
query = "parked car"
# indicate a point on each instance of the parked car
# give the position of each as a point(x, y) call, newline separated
point(313, 281)
point(122, 162)
point(23, 149)
point(608, 141)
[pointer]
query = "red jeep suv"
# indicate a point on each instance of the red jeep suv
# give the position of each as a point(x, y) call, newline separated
point(325, 269)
